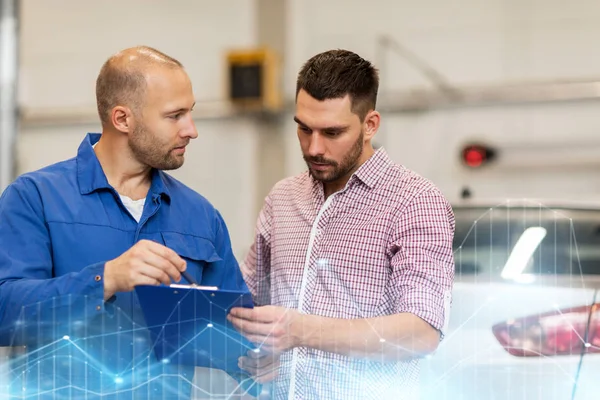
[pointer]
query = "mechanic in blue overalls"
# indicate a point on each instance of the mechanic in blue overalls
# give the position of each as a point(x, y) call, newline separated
point(78, 236)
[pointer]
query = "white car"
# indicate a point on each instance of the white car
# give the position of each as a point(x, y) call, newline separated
point(524, 322)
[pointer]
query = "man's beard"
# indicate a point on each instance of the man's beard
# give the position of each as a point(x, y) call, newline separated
point(339, 170)
point(147, 150)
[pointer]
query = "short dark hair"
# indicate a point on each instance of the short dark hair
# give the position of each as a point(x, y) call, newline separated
point(123, 82)
point(336, 73)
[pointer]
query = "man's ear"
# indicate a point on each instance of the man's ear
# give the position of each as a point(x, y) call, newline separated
point(371, 124)
point(121, 118)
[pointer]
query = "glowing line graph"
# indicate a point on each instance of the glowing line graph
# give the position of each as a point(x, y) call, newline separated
point(37, 355)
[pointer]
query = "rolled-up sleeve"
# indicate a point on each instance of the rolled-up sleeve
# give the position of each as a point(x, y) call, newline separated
point(422, 259)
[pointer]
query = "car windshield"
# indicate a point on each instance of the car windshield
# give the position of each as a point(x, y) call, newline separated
point(516, 242)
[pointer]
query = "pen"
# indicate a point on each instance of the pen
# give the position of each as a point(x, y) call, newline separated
point(189, 278)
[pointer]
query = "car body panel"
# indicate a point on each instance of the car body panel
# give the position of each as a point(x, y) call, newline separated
point(470, 362)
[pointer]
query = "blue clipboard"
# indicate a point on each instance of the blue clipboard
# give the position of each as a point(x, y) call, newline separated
point(188, 325)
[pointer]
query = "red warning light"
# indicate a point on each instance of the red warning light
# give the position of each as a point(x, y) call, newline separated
point(475, 156)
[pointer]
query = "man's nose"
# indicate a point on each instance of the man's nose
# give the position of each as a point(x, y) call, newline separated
point(316, 146)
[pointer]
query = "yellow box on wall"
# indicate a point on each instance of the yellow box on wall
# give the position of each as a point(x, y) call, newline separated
point(253, 78)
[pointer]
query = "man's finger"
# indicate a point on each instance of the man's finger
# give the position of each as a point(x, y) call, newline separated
point(264, 314)
point(155, 261)
point(140, 280)
point(272, 313)
point(257, 370)
point(250, 327)
point(268, 377)
point(256, 354)
point(243, 313)
point(154, 273)
point(156, 256)
point(266, 363)
point(264, 342)
point(168, 254)
point(259, 363)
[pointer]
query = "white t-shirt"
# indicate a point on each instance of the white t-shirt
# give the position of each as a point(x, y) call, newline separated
point(135, 207)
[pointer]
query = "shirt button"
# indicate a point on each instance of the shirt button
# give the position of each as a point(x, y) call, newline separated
point(98, 308)
point(98, 278)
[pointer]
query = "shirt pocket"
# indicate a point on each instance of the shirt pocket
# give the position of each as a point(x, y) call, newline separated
point(199, 253)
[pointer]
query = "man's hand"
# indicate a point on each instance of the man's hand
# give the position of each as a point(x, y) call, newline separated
point(273, 329)
point(146, 263)
point(262, 366)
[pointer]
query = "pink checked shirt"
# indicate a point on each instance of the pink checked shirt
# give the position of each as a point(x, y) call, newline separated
point(380, 246)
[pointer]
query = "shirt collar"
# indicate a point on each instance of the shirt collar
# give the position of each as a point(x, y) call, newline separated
point(374, 168)
point(91, 177)
point(369, 173)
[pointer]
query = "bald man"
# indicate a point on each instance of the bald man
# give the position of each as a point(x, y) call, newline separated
point(78, 236)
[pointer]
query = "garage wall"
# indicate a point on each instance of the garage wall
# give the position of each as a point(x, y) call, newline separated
point(471, 43)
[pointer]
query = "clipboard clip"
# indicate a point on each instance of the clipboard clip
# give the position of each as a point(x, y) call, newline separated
point(192, 283)
point(192, 286)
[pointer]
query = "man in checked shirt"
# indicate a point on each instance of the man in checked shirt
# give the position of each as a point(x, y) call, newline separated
point(352, 265)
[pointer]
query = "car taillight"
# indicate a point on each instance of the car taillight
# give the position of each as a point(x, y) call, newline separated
point(561, 332)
